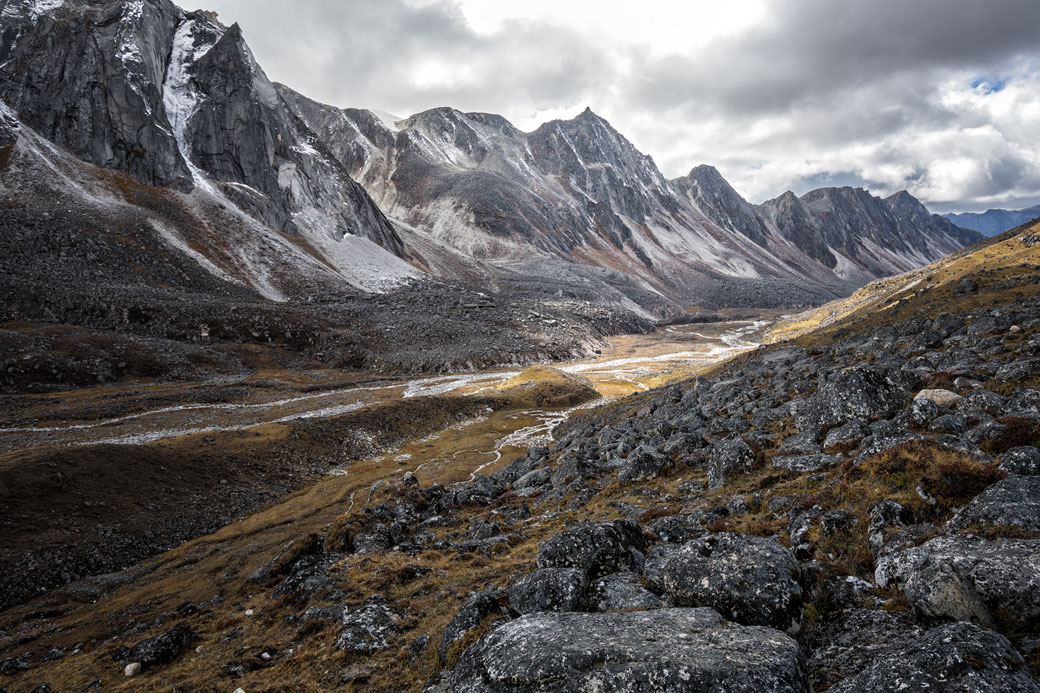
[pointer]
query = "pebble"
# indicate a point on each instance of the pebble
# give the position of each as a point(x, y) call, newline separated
point(132, 669)
point(266, 657)
point(249, 612)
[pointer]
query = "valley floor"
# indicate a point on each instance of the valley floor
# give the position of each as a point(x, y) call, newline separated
point(95, 480)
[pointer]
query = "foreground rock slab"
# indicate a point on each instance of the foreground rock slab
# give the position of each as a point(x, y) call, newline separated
point(959, 657)
point(664, 650)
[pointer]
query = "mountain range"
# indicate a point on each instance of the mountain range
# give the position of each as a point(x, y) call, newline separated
point(157, 129)
point(994, 222)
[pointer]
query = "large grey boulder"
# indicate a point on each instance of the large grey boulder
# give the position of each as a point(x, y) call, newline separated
point(479, 608)
point(621, 592)
point(850, 642)
point(549, 589)
point(369, 629)
point(595, 548)
point(959, 657)
point(1023, 460)
point(860, 393)
point(674, 650)
point(1013, 502)
point(730, 457)
point(965, 577)
point(747, 579)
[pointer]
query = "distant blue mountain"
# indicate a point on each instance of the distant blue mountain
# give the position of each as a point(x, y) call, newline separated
point(993, 222)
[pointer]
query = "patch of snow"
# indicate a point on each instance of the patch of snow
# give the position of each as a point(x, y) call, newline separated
point(388, 119)
point(180, 97)
point(38, 8)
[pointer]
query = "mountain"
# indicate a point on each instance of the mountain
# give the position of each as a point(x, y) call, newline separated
point(994, 222)
point(162, 117)
point(578, 190)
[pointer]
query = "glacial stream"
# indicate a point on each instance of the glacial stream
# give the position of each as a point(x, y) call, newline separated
point(631, 363)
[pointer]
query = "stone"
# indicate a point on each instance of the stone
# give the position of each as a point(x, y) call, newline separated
point(968, 577)
point(847, 644)
point(674, 650)
point(958, 657)
point(132, 669)
point(804, 463)
point(162, 649)
point(886, 515)
point(1012, 502)
point(477, 609)
point(676, 529)
point(549, 589)
point(1023, 460)
point(623, 592)
point(943, 398)
point(368, 629)
point(282, 562)
point(595, 548)
point(749, 580)
point(845, 437)
point(643, 465)
point(730, 457)
point(862, 393)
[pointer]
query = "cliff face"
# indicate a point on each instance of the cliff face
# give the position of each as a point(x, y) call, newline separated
point(176, 100)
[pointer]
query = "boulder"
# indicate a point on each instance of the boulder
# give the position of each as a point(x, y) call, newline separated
point(847, 644)
point(623, 592)
point(1012, 502)
point(1023, 460)
point(162, 649)
point(730, 457)
point(282, 562)
point(804, 463)
point(368, 629)
point(845, 437)
point(595, 548)
point(861, 393)
point(750, 580)
point(959, 657)
point(675, 650)
point(965, 577)
point(643, 464)
point(549, 589)
point(943, 398)
point(477, 609)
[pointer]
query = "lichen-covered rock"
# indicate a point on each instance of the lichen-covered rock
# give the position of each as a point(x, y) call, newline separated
point(804, 463)
point(848, 644)
point(287, 556)
point(623, 592)
point(643, 464)
point(595, 548)
point(549, 589)
point(730, 457)
point(1013, 502)
point(884, 516)
point(675, 650)
point(368, 629)
point(747, 579)
point(860, 393)
point(1024, 461)
point(959, 657)
point(845, 436)
point(162, 649)
point(966, 577)
point(478, 608)
point(677, 529)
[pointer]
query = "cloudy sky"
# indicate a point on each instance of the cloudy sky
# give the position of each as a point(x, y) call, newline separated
point(941, 97)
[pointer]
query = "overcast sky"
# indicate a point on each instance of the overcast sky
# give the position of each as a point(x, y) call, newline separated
point(941, 97)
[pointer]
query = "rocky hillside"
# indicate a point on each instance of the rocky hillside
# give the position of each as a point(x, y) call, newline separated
point(852, 509)
point(994, 222)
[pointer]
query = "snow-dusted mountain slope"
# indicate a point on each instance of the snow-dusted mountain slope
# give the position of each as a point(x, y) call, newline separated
point(176, 100)
point(281, 194)
point(577, 189)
